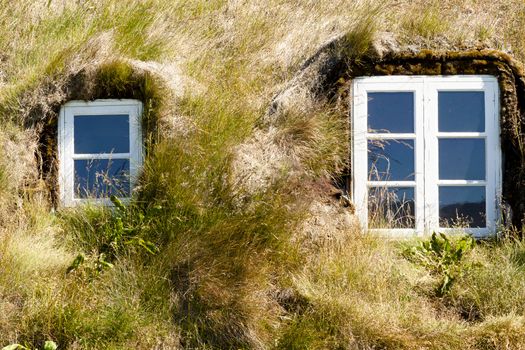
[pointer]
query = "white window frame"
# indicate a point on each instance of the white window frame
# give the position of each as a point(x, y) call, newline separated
point(66, 143)
point(426, 137)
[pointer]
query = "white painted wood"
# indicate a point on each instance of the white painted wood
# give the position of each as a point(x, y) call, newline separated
point(463, 135)
point(492, 146)
point(391, 183)
point(66, 155)
point(359, 152)
point(391, 136)
point(101, 156)
point(496, 162)
point(360, 135)
point(476, 232)
point(394, 233)
point(461, 182)
point(400, 79)
point(420, 156)
point(426, 138)
point(493, 154)
point(431, 157)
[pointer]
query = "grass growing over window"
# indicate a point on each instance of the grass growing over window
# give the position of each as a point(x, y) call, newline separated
point(198, 259)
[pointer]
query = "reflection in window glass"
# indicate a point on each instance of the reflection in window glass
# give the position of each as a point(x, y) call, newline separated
point(462, 206)
point(462, 159)
point(391, 112)
point(461, 111)
point(391, 160)
point(101, 134)
point(102, 178)
point(391, 207)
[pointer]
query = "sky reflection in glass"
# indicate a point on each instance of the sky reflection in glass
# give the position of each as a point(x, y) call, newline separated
point(461, 111)
point(462, 159)
point(391, 112)
point(101, 134)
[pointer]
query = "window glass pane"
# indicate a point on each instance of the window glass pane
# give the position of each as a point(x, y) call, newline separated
point(391, 207)
point(391, 112)
point(462, 159)
point(101, 178)
point(462, 206)
point(461, 111)
point(101, 134)
point(391, 160)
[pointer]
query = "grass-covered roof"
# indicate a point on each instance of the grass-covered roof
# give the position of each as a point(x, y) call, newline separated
point(237, 236)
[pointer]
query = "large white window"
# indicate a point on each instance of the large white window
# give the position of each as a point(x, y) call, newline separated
point(100, 150)
point(426, 153)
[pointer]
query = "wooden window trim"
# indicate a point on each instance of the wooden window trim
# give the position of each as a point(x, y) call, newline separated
point(425, 138)
point(66, 155)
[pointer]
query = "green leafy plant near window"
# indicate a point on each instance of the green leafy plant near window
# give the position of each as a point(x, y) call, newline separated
point(123, 230)
point(443, 257)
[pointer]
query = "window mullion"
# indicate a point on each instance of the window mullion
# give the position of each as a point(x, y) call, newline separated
point(391, 183)
point(390, 136)
point(431, 157)
point(101, 156)
point(359, 154)
point(419, 123)
point(461, 182)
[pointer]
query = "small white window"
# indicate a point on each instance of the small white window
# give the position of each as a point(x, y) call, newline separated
point(100, 150)
point(426, 153)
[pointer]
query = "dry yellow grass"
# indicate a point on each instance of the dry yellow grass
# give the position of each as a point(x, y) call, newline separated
point(243, 264)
